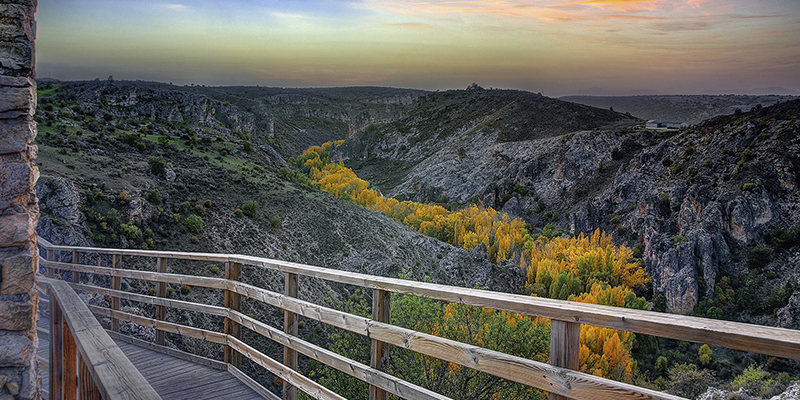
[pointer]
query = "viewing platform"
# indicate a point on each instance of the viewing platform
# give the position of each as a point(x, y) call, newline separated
point(114, 366)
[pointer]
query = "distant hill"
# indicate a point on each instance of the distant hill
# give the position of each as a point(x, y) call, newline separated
point(686, 108)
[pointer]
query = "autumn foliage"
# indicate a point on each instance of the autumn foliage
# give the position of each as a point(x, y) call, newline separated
point(584, 268)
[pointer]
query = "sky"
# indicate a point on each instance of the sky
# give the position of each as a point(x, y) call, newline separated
point(554, 47)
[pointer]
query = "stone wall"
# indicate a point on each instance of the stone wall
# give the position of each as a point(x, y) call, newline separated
point(19, 210)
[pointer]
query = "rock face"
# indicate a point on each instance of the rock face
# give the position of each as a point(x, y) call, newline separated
point(694, 200)
point(19, 212)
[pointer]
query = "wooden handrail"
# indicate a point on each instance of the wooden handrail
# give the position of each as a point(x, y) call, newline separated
point(104, 368)
point(559, 378)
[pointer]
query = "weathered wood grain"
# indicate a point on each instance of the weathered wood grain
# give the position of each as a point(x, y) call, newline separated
point(294, 378)
point(161, 291)
point(290, 321)
point(379, 352)
point(112, 372)
point(353, 368)
point(232, 301)
point(565, 348)
point(116, 284)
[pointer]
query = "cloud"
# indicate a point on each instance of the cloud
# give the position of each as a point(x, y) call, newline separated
point(175, 6)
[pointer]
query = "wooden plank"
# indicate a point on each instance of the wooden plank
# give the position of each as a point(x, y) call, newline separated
point(141, 253)
point(161, 291)
point(251, 383)
point(50, 256)
point(353, 368)
point(70, 377)
point(88, 389)
point(213, 283)
point(233, 301)
point(733, 335)
point(290, 289)
point(766, 340)
point(543, 376)
point(565, 348)
point(379, 354)
point(56, 351)
point(76, 259)
point(116, 284)
point(113, 373)
point(152, 300)
point(294, 378)
point(149, 347)
point(211, 336)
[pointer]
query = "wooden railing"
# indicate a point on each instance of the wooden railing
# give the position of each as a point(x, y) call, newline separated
point(559, 378)
point(85, 363)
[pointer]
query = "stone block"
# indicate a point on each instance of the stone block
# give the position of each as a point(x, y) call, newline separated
point(16, 21)
point(17, 99)
point(16, 316)
point(16, 81)
point(16, 58)
point(16, 229)
point(18, 180)
point(16, 350)
point(17, 134)
point(17, 275)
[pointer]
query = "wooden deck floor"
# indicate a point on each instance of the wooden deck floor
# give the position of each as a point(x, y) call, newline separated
point(175, 376)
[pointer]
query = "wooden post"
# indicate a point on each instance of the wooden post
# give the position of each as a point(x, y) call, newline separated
point(76, 259)
point(290, 327)
point(116, 284)
point(70, 378)
point(379, 356)
point(565, 347)
point(88, 389)
point(50, 257)
point(161, 291)
point(56, 350)
point(233, 301)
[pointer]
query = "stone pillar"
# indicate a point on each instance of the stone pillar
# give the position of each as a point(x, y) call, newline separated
point(19, 209)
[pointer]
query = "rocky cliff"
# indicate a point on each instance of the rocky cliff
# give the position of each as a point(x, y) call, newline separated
point(697, 202)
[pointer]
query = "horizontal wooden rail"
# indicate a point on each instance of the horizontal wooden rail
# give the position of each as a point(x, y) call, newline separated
point(733, 335)
point(554, 379)
point(104, 367)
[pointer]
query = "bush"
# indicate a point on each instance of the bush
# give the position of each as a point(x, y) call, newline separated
point(748, 186)
point(687, 381)
point(248, 147)
point(704, 354)
point(154, 197)
point(758, 257)
point(250, 208)
point(238, 212)
point(185, 289)
point(156, 165)
point(130, 232)
point(193, 223)
point(275, 222)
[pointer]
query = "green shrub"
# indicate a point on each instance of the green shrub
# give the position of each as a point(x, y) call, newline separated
point(156, 165)
point(275, 222)
point(193, 223)
point(704, 354)
point(758, 256)
point(250, 208)
point(522, 190)
point(154, 197)
point(195, 240)
point(130, 232)
point(248, 147)
point(238, 212)
point(678, 239)
point(176, 218)
point(748, 186)
point(686, 380)
point(185, 289)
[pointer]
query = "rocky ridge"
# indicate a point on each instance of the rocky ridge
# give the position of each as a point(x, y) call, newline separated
point(695, 201)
